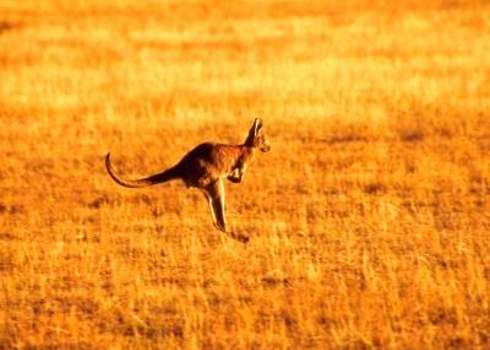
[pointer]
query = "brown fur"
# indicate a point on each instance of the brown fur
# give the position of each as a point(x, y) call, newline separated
point(205, 167)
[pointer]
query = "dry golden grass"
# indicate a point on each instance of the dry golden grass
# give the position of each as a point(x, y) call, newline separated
point(369, 219)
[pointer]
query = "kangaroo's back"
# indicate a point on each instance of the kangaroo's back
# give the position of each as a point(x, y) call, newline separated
point(208, 162)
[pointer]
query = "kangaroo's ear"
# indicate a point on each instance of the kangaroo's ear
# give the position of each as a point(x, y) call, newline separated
point(257, 125)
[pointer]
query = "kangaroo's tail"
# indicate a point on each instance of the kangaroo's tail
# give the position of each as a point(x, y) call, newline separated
point(166, 175)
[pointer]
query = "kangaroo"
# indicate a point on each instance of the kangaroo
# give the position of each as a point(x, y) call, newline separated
point(205, 167)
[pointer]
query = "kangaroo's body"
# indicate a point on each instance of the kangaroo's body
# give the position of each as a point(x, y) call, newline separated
point(205, 167)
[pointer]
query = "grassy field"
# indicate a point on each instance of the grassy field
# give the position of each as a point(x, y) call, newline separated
point(369, 219)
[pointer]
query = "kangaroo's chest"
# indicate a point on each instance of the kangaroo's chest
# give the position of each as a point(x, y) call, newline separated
point(241, 162)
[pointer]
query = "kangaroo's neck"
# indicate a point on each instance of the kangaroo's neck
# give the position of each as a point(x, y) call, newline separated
point(246, 152)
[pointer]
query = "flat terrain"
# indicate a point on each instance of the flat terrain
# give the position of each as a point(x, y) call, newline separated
point(369, 219)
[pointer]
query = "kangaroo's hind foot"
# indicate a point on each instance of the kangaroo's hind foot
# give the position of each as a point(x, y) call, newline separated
point(239, 237)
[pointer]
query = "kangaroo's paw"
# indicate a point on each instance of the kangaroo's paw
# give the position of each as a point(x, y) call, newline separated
point(234, 180)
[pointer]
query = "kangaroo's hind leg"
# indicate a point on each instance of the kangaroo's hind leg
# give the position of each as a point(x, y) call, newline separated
point(216, 196)
point(211, 207)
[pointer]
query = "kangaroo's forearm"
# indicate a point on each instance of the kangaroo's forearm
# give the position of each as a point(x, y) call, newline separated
point(234, 179)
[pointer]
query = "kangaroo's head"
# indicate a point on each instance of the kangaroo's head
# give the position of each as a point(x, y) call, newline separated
point(256, 137)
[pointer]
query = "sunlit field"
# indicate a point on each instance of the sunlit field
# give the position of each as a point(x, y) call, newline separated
point(369, 220)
